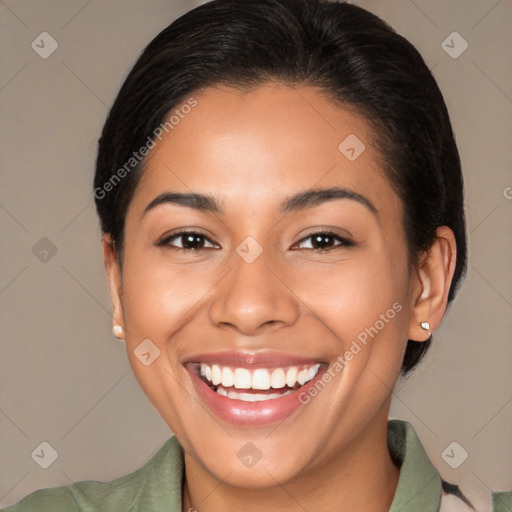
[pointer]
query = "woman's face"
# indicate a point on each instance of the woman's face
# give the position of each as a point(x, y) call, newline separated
point(263, 288)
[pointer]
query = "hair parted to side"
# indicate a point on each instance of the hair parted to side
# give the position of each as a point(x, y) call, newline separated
point(350, 54)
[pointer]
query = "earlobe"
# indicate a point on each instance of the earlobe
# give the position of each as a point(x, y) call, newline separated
point(115, 284)
point(434, 278)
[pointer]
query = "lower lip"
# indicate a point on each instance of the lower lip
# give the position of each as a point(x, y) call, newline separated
point(239, 412)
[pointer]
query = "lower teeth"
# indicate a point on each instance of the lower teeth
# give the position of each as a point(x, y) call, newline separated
point(251, 397)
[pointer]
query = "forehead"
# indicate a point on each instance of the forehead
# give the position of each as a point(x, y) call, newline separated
point(254, 148)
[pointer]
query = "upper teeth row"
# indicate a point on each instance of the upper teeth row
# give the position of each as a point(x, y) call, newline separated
point(261, 378)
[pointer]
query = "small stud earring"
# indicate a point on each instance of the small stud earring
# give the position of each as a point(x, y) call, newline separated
point(426, 326)
point(117, 330)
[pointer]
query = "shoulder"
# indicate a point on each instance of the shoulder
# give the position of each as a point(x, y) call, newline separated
point(159, 479)
point(57, 499)
point(502, 501)
point(83, 496)
point(408, 453)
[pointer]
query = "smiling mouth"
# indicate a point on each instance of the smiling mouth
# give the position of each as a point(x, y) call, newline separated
point(255, 385)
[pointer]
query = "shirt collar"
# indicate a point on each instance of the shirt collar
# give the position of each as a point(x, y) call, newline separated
point(419, 484)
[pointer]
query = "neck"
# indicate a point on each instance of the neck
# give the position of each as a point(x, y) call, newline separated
point(360, 477)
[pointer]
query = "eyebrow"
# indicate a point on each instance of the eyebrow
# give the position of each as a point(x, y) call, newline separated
point(306, 199)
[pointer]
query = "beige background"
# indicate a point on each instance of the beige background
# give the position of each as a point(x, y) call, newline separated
point(66, 381)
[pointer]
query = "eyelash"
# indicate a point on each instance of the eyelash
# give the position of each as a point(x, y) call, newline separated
point(344, 242)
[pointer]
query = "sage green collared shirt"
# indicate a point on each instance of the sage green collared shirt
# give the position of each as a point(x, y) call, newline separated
point(157, 486)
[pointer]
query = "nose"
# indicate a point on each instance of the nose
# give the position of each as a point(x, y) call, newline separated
point(252, 296)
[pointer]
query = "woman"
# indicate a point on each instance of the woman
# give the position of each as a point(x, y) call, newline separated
point(281, 201)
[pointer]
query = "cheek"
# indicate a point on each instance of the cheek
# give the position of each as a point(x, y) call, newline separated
point(156, 299)
point(352, 295)
point(363, 305)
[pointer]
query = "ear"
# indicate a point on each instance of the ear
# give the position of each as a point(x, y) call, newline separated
point(432, 283)
point(114, 279)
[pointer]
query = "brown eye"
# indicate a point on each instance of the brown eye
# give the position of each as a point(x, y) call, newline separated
point(190, 241)
point(323, 241)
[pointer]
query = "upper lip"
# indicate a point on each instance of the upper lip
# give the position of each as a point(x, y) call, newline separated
point(267, 359)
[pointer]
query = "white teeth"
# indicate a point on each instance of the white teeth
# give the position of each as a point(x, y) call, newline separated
point(216, 375)
point(250, 397)
point(228, 379)
point(242, 379)
point(260, 379)
point(291, 377)
point(302, 377)
point(278, 379)
point(222, 391)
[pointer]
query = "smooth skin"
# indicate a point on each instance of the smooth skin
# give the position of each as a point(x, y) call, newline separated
point(250, 151)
